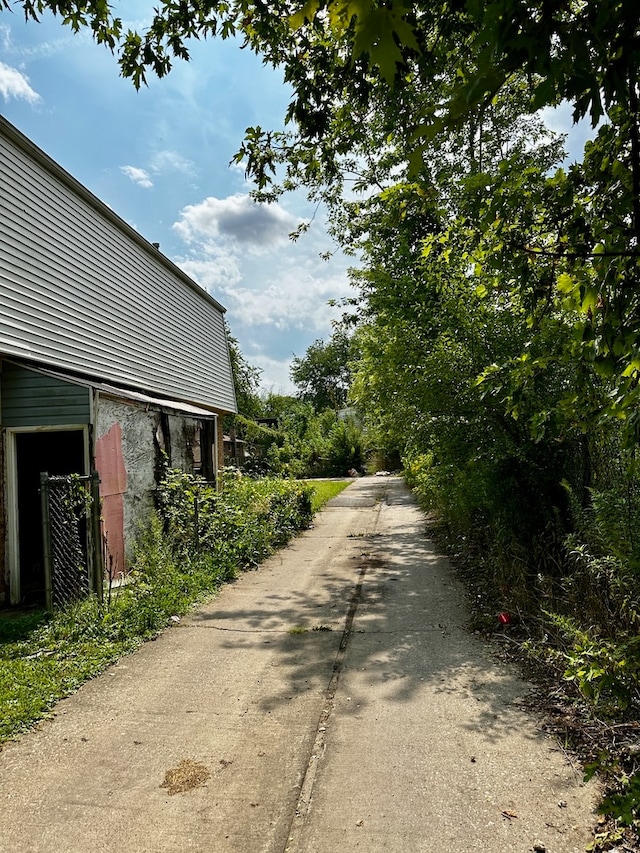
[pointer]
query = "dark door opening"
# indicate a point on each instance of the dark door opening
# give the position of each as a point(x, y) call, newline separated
point(56, 453)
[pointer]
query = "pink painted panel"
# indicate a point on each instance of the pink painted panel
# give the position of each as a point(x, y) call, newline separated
point(110, 462)
point(113, 484)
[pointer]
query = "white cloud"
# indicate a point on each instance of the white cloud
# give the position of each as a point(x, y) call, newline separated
point(216, 270)
point(275, 373)
point(295, 300)
point(5, 39)
point(276, 291)
point(15, 84)
point(236, 218)
point(139, 176)
point(42, 46)
point(285, 289)
point(171, 161)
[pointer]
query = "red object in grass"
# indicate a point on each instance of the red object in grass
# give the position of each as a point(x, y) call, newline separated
point(504, 618)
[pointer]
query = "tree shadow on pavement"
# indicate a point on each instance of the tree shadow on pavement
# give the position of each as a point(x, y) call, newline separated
point(390, 624)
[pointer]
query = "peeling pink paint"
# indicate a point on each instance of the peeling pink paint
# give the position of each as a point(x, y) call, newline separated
point(113, 484)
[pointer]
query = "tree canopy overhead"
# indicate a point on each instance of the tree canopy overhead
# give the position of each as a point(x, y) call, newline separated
point(583, 51)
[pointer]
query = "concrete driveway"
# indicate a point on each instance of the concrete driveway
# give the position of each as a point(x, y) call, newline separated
point(330, 701)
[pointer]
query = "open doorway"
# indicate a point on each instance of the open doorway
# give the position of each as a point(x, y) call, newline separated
point(56, 452)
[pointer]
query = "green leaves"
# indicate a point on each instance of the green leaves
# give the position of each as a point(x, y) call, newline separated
point(306, 14)
point(322, 375)
point(378, 33)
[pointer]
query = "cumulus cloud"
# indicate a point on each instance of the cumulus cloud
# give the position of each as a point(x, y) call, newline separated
point(287, 288)
point(276, 291)
point(236, 218)
point(295, 301)
point(171, 161)
point(240, 252)
point(139, 176)
point(214, 271)
point(15, 84)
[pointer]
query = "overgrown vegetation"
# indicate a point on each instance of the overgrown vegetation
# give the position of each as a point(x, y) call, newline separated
point(305, 443)
point(199, 539)
point(309, 435)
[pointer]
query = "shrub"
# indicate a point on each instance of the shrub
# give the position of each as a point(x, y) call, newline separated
point(240, 524)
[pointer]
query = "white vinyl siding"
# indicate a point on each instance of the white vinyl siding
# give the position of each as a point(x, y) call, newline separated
point(80, 290)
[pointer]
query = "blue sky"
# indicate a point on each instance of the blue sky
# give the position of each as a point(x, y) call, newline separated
point(160, 159)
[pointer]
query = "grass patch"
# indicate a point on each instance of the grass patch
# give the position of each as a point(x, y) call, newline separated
point(324, 490)
point(50, 658)
point(16, 625)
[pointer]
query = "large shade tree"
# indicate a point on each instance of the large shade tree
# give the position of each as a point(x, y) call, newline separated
point(585, 52)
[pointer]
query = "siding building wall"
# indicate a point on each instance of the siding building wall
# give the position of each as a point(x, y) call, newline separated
point(80, 290)
point(111, 359)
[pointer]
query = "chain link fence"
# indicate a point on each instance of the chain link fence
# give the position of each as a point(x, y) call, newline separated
point(73, 557)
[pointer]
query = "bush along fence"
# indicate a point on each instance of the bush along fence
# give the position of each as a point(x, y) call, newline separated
point(240, 524)
point(198, 539)
point(202, 537)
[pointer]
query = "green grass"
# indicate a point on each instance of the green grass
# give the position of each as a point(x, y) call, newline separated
point(324, 490)
point(43, 659)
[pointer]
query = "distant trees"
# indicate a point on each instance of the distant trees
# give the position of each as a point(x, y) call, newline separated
point(246, 379)
point(322, 375)
point(308, 439)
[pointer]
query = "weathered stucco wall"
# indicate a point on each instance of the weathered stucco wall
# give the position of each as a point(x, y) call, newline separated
point(126, 459)
point(129, 442)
